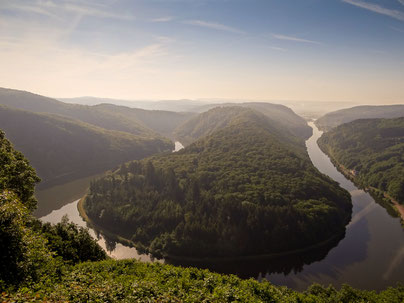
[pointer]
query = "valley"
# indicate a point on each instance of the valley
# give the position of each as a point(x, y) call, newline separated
point(364, 241)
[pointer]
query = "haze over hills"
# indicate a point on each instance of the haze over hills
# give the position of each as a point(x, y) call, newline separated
point(61, 148)
point(307, 109)
point(183, 105)
point(145, 129)
point(333, 119)
point(246, 188)
point(162, 122)
point(136, 121)
point(219, 117)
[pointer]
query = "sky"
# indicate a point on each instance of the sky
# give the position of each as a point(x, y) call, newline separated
point(302, 50)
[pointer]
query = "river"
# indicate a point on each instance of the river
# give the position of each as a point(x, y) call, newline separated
point(369, 256)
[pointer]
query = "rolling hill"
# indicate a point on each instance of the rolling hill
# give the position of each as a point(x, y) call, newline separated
point(162, 122)
point(147, 123)
point(219, 117)
point(333, 119)
point(62, 148)
point(282, 115)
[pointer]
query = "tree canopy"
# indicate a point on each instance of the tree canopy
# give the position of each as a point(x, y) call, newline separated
point(373, 149)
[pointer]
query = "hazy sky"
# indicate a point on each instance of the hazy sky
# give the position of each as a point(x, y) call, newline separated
point(335, 50)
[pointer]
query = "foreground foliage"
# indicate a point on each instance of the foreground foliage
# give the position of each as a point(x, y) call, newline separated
point(29, 249)
point(373, 150)
point(246, 189)
point(16, 174)
point(133, 281)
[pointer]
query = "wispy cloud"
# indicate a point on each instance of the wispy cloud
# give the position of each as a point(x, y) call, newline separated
point(295, 39)
point(281, 49)
point(215, 26)
point(401, 1)
point(400, 30)
point(60, 8)
point(377, 8)
point(163, 19)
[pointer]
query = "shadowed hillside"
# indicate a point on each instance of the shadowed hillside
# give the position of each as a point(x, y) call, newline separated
point(62, 149)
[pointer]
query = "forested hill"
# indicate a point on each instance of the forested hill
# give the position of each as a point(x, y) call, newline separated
point(242, 190)
point(373, 150)
point(136, 121)
point(282, 115)
point(220, 117)
point(342, 116)
point(62, 149)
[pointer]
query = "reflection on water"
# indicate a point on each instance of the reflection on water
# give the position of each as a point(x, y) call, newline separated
point(115, 250)
point(260, 266)
point(57, 196)
point(370, 255)
point(373, 242)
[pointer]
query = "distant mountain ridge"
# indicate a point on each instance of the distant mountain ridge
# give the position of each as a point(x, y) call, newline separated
point(182, 105)
point(333, 119)
point(109, 117)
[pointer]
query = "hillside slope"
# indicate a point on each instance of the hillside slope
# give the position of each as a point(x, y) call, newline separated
point(333, 119)
point(245, 189)
point(219, 117)
point(62, 149)
point(162, 122)
point(281, 114)
point(139, 122)
point(372, 150)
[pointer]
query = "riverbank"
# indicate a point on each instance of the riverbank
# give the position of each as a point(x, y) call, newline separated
point(108, 234)
point(352, 175)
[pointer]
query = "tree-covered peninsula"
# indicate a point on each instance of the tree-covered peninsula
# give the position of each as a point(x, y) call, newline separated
point(372, 153)
point(248, 188)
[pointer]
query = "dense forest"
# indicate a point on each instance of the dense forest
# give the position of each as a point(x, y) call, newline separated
point(62, 149)
point(246, 189)
point(372, 150)
point(62, 263)
point(333, 119)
